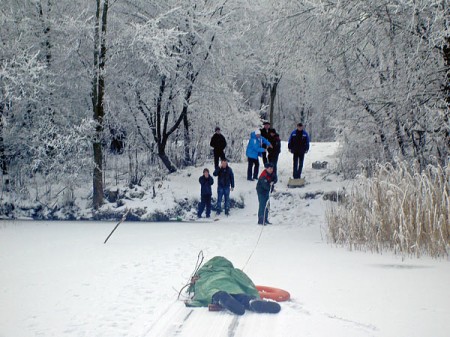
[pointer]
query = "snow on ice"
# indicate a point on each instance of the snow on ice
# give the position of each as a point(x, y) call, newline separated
point(59, 279)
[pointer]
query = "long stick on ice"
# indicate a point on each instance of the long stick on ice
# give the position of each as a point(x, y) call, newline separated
point(121, 220)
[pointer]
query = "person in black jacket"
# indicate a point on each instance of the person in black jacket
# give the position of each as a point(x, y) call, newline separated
point(206, 181)
point(266, 134)
point(298, 145)
point(275, 150)
point(225, 183)
point(218, 143)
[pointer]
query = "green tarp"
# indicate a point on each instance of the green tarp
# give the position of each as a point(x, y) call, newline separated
point(219, 274)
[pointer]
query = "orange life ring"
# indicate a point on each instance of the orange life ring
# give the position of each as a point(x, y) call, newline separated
point(275, 294)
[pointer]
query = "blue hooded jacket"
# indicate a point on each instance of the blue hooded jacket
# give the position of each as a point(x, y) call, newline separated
point(254, 146)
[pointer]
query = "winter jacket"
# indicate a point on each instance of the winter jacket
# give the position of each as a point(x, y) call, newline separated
point(219, 274)
point(298, 142)
point(218, 142)
point(265, 179)
point(276, 145)
point(265, 133)
point(254, 146)
point(206, 183)
point(225, 177)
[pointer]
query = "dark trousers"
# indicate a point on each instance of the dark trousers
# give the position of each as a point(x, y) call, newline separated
point(218, 154)
point(205, 201)
point(263, 210)
point(298, 165)
point(253, 164)
point(243, 299)
point(238, 303)
point(264, 157)
point(273, 158)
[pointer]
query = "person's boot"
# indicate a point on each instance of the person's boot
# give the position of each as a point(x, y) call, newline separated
point(262, 306)
point(267, 222)
point(226, 301)
point(260, 221)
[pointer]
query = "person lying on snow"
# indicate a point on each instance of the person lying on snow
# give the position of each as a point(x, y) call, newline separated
point(217, 282)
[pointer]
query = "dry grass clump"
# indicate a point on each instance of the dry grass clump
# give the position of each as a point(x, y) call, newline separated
point(399, 208)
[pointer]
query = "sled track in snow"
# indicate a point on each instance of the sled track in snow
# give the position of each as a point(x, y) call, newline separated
point(232, 327)
point(178, 320)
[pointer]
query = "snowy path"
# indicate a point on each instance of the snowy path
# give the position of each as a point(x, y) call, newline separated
point(59, 279)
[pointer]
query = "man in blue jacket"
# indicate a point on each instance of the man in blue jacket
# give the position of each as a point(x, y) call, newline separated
point(225, 183)
point(254, 151)
point(298, 145)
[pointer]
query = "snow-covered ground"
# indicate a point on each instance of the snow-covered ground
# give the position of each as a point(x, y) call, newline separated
point(59, 279)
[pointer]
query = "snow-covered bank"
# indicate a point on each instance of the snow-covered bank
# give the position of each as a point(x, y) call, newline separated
point(59, 279)
point(175, 196)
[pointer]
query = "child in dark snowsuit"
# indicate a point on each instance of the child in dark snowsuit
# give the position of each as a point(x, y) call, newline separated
point(264, 186)
point(205, 193)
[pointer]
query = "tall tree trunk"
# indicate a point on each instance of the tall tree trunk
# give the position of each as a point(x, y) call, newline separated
point(3, 161)
point(98, 92)
point(47, 47)
point(46, 30)
point(273, 94)
point(446, 52)
point(165, 159)
point(187, 142)
point(392, 111)
point(264, 99)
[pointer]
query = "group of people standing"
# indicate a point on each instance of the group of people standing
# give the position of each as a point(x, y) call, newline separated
point(225, 179)
point(265, 143)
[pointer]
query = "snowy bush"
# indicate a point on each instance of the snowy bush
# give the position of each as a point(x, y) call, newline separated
point(399, 208)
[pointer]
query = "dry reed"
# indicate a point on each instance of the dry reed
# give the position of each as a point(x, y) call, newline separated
point(399, 208)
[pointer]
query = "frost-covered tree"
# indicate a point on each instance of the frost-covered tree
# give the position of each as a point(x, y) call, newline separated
point(382, 68)
point(174, 61)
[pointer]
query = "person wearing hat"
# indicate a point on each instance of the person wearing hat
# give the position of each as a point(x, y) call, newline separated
point(218, 143)
point(266, 134)
point(275, 150)
point(298, 145)
point(254, 150)
point(264, 187)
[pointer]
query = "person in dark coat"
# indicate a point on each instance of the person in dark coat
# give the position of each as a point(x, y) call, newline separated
point(275, 150)
point(225, 184)
point(298, 145)
point(266, 134)
point(206, 181)
point(218, 143)
point(265, 184)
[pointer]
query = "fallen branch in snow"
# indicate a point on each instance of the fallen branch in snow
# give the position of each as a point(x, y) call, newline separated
point(121, 220)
